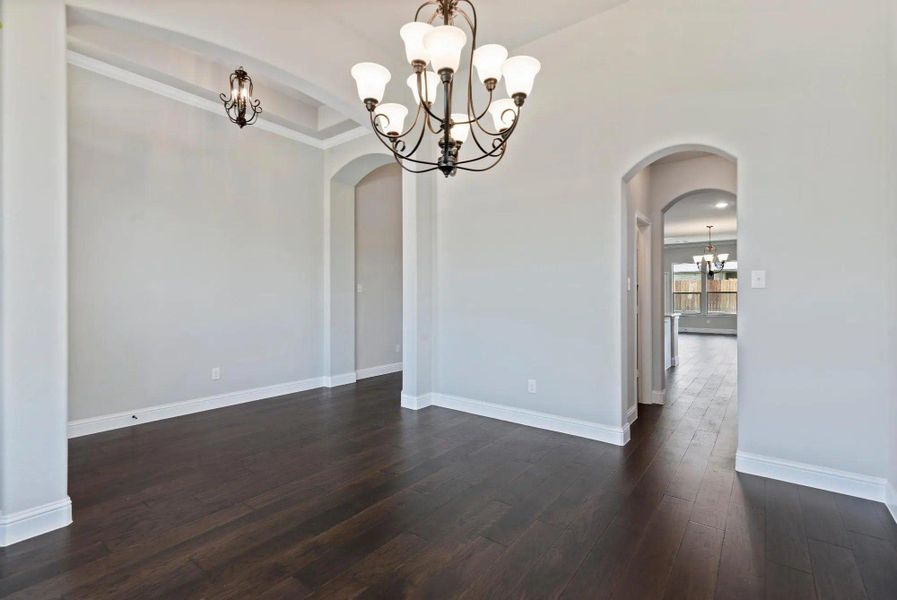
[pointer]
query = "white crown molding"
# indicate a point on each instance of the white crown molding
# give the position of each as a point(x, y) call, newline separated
point(176, 409)
point(344, 137)
point(586, 429)
point(24, 524)
point(157, 87)
point(341, 379)
point(377, 371)
point(815, 476)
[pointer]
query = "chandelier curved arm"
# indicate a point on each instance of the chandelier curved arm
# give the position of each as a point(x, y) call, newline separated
point(498, 147)
point(501, 136)
point(392, 146)
point(430, 127)
point(256, 106)
point(374, 122)
point(470, 108)
point(415, 171)
point(500, 156)
point(425, 5)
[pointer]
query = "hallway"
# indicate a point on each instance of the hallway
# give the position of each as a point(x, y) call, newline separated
point(341, 493)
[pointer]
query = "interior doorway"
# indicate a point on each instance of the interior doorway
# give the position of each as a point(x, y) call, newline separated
point(378, 273)
point(683, 176)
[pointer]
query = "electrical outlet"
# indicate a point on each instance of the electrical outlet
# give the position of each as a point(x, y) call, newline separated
point(531, 386)
point(216, 372)
point(359, 287)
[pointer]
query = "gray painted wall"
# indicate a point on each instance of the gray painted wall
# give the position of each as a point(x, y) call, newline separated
point(193, 245)
point(529, 258)
point(378, 268)
point(683, 253)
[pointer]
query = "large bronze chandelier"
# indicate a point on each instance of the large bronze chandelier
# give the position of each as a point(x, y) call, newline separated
point(441, 47)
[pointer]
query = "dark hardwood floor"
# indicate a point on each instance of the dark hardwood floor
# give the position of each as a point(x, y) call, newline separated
point(340, 493)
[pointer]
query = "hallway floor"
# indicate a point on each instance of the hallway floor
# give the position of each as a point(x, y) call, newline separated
point(341, 494)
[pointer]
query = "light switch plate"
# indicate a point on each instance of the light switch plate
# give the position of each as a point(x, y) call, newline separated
point(758, 279)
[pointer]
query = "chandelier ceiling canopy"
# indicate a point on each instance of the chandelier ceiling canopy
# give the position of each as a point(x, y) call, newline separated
point(440, 47)
point(710, 262)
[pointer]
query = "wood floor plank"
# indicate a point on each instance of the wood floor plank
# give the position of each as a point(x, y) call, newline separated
point(785, 583)
point(877, 561)
point(694, 571)
point(786, 542)
point(835, 572)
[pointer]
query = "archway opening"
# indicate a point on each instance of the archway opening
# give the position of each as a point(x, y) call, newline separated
point(693, 174)
point(340, 286)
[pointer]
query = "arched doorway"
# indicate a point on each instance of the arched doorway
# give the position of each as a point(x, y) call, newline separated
point(649, 189)
point(418, 271)
point(339, 268)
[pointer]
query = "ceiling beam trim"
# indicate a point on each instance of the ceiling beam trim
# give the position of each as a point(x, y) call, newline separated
point(157, 87)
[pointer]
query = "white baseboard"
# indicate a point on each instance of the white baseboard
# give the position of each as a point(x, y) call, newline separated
point(891, 500)
point(337, 380)
point(674, 362)
point(377, 371)
point(416, 402)
point(585, 429)
point(708, 330)
point(658, 397)
point(176, 409)
point(25, 524)
point(632, 414)
point(815, 476)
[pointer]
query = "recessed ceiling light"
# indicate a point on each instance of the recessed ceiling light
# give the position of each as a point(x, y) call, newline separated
point(721, 204)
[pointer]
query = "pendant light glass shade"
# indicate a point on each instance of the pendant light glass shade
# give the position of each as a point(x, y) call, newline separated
point(371, 80)
point(520, 72)
point(429, 85)
point(390, 117)
point(698, 259)
point(460, 130)
point(444, 45)
point(503, 114)
point(413, 35)
point(723, 257)
point(488, 60)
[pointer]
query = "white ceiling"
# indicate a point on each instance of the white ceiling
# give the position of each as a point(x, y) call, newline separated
point(510, 23)
point(687, 220)
point(308, 46)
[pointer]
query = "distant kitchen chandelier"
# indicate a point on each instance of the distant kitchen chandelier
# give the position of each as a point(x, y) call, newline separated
point(441, 47)
point(240, 101)
point(710, 262)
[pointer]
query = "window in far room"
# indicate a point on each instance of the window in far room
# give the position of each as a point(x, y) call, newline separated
point(686, 289)
point(722, 291)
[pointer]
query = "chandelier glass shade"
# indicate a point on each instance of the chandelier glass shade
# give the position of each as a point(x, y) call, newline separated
point(240, 101)
point(435, 54)
point(710, 262)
